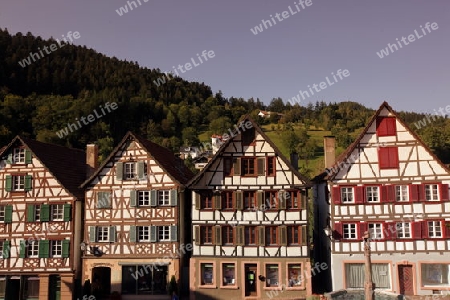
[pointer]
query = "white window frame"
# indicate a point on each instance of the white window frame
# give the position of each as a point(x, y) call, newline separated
point(401, 193)
point(350, 231)
point(434, 229)
point(143, 198)
point(143, 233)
point(2, 213)
point(56, 248)
point(376, 232)
point(129, 171)
point(164, 233)
point(403, 230)
point(57, 212)
point(163, 197)
point(2, 246)
point(102, 233)
point(347, 192)
point(18, 183)
point(33, 249)
point(432, 192)
point(372, 194)
point(19, 155)
point(37, 213)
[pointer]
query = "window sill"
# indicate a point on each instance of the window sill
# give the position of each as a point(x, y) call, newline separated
point(274, 288)
point(227, 287)
point(295, 288)
point(212, 286)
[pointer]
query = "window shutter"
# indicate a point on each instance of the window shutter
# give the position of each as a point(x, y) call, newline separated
point(8, 183)
point(282, 199)
point(239, 203)
point(9, 159)
point(45, 213)
point(6, 249)
point(119, 171)
point(446, 229)
point(133, 234)
point(23, 248)
point(140, 170)
point(198, 202)
point(392, 230)
point(67, 212)
point(390, 193)
point(336, 193)
point(30, 213)
point(153, 197)
point(104, 200)
point(261, 165)
point(8, 213)
point(236, 166)
point(417, 229)
point(262, 236)
point(424, 229)
point(240, 236)
point(359, 194)
point(218, 235)
point(363, 227)
point(28, 158)
point(383, 193)
point(112, 234)
point(303, 199)
point(444, 192)
point(28, 182)
point(92, 233)
point(174, 233)
point(153, 233)
point(283, 235)
point(44, 246)
point(304, 235)
point(337, 232)
point(65, 248)
point(217, 201)
point(414, 192)
point(260, 199)
point(197, 235)
point(174, 197)
point(133, 196)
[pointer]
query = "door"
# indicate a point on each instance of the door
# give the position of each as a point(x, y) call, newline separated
point(159, 282)
point(405, 279)
point(101, 282)
point(12, 288)
point(54, 287)
point(250, 279)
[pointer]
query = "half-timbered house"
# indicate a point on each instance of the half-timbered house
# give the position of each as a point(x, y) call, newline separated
point(249, 219)
point(389, 183)
point(40, 220)
point(135, 209)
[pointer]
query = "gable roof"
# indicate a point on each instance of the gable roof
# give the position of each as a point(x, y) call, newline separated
point(174, 166)
point(67, 165)
point(346, 154)
point(265, 137)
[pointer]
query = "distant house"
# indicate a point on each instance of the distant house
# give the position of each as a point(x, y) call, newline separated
point(268, 114)
point(201, 161)
point(193, 152)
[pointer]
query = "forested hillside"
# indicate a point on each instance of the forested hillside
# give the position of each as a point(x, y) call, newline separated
point(42, 98)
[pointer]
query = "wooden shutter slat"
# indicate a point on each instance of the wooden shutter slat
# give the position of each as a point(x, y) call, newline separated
point(237, 166)
point(417, 230)
point(174, 233)
point(337, 232)
point(359, 194)
point(133, 198)
point(6, 249)
point(65, 248)
point(390, 193)
point(197, 235)
point(217, 201)
point(262, 236)
point(336, 194)
point(133, 234)
point(23, 248)
point(260, 199)
point(240, 235)
point(28, 158)
point(140, 170)
point(173, 197)
point(119, 171)
point(261, 165)
point(45, 213)
point(8, 213)
point(444, 192)
point(153, 198)
point(424, 229)
point(43, 251)
point(28, 183)
point(8, 183)
point(153, 237)
point(283, 235)
point(112, 234)
point(218, 235)
point(446, 229)
point(304, 235)
point(282, 199)
point(198, 201)
point(92, 234)
point(239, 203)
point(414, 192)
point(67, 212)
point(31, 213)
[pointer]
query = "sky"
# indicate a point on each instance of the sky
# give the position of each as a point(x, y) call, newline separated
point(304, 48)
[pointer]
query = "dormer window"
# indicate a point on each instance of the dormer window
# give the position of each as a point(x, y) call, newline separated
point(129, 171)
point(19, 156)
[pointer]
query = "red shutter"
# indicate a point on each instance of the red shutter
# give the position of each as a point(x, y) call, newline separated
point(416, 230)
point(393, 157)
point(381, 126)
point(391, 127)
point(390, 193)
point(337, 232)
point(363, 227)
point(336, 195)
point(359, 194)
point(424, 229)
point(444, 191)
point(414, 192)
point(446, 229)
point(390, 230)
point(383, 193)
point(383, 158)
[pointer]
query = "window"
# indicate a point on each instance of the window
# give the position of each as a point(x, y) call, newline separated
point(228, 274)
point(2, 213)
point(388, 157)
point(143, 279)
point(271, 236)
point(376, 230)
point(271, 200)
point(354, 275)
point(206, 235)
point(227, 166)
point(434, 229)
point(57, 212)
point(207, 271)
point(431, 192)
point(102, 234)
point(272, 275)
point(403, 230)
point(31, 287)
point(401, 193)
point(249, 200)
point(386, 126)
point(33, 249)
point(206, 201)
point(250, 235)
point(294, 275)
point(294, 235)
point(248, 166)
point(19, 183)
point(349, 231)
point(103, 199)
point(56, 248)
point(129, 170)
point(372, 194)
point(292, 200)
point(227, 200)
point(164, 233)
point(3, 249)
point(227, 235)
point(143, 198)
point(271, 166)
point(143, 233)
point(37, 213)
point(19, 156)
point(163, 197)
point(347, 194)
point(435, 274)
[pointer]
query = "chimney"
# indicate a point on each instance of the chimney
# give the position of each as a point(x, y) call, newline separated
point(91, 158)
point(329, 148)
point(294, 160)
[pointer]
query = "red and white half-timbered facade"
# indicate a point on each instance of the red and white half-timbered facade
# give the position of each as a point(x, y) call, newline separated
point(249, 220)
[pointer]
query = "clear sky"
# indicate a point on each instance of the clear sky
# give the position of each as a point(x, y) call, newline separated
point(301, 50)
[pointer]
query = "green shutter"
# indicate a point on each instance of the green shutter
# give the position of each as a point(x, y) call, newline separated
point(173, 233)
point(8, 183)
point(44, 247)
point(45, 213)
point(8, 213)
point(133, 234)
point(31, 213)
point(153, 233)
point(65, 248)
point(6, 249)
point(112, 234)
point(28, 182)
point(237, 166)
point(67, 212)
point(239, 203)
point(28, 158)
point(173, 197)
point(23, 248)
point(119, 171)
point(92, 234)
point(153, 197)
point(140, 170)
point(133, 196)
point(9, 159)
point(261, 165)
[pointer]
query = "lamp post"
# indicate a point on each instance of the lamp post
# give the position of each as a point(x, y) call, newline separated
point(368, 284)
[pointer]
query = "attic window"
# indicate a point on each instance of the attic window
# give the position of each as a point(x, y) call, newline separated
point(386, 126)
point(248, 137)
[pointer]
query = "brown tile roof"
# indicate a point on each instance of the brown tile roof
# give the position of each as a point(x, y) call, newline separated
point(68, 165)
point(173, 165)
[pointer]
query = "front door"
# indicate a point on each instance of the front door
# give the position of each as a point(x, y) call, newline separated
point(101, 282)
point(250, 280)
point(12, 288)
point(405, 279)
point(54, 287)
